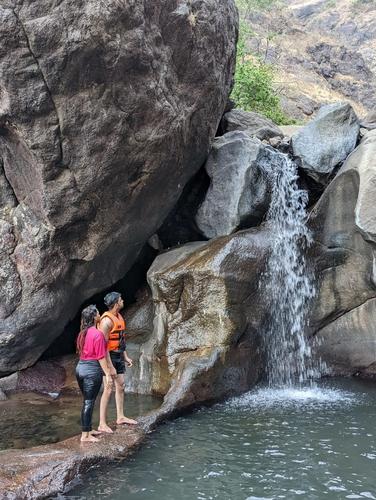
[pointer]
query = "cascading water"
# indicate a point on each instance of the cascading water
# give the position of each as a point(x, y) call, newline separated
point(287, 281)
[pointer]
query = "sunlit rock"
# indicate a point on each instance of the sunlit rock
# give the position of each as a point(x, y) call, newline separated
point(239, 191)
point(251, 123)
point(208, 312)
point(327, 140)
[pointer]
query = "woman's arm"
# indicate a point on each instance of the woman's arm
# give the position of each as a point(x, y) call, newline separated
point(105, 368)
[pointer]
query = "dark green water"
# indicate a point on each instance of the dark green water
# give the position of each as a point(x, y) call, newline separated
point(269, 444)
point(29, 419)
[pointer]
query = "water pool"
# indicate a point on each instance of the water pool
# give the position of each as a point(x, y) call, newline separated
point(312, 443)
point(30, 419)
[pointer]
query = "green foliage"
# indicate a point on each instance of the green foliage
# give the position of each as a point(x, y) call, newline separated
point(249, 5)
point(254, 82)
point(359, 3)
point(330, 4)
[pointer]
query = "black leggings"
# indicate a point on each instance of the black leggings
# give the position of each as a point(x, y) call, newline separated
point(89, 377)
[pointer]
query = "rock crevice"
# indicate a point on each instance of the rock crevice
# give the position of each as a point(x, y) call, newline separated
point(43, 77)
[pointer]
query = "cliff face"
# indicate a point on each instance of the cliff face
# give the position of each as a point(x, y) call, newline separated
point(106, 110)
point(323, 51)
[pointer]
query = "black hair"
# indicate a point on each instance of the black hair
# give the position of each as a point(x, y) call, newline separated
point(88, 316)
point(111, 299)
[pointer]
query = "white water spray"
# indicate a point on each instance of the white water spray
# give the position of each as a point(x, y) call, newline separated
point(287, 283)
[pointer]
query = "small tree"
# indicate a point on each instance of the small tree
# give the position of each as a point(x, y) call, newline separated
point(254, 79)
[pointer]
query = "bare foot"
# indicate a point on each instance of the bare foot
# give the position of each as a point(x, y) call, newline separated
point(89, 439)
point(105, 428)
point(95, 433)
point(125, 420)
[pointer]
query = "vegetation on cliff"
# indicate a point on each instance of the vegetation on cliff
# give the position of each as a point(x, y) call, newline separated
point(254, 88)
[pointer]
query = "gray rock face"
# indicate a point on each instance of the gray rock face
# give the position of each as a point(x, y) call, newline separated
point(9, 383)
point(139, 318)
point(369, 122)
point(327, 140)
point(345, 225)
point(238, 193)
point(290, 130)
point(253, 124)
point(365, 210)
point(105, 112)
point(207, 318)
point(347, 352)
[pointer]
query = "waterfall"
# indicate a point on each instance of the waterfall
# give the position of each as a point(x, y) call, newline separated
point(287, 282)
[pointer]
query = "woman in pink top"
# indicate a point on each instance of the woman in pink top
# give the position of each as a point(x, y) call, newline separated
point(92, 348)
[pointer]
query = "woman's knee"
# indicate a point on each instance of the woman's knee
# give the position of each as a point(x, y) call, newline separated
point(120, 384)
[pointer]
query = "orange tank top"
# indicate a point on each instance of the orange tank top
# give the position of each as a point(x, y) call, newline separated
point(117, 331)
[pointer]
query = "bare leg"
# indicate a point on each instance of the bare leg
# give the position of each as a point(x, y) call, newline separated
point(106, 395)
point(119, 395)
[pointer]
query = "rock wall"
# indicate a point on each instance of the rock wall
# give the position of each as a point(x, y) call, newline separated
point(106, 111)
point(345, 225)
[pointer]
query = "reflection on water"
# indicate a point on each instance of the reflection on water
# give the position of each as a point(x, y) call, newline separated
point(315, 443)
point(29, 419)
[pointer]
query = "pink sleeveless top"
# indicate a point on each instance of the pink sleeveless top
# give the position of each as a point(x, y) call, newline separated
point(95, 345)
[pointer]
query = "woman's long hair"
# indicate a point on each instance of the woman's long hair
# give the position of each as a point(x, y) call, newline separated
point(88, 316)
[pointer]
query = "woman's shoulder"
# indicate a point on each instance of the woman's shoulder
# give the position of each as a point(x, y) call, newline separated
point(94, 332)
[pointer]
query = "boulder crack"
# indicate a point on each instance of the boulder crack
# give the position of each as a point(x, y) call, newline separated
point(347, 249)
point(12, 191)
point(42, 75)
point(343, 314)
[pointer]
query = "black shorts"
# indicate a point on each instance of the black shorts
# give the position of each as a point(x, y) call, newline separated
point(117, 359)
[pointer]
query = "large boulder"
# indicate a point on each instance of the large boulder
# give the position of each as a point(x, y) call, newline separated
point(327, 140)
point(208, 311)
point(252, 123)
point(344, 221)
point(106, 110)
point(238, 195)
point(369, 121)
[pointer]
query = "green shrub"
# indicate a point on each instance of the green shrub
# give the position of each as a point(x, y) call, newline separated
point(249, 5)
point(359, 3)
point(254, 82)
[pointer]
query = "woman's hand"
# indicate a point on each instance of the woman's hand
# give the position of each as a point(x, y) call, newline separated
point(129, 362)
point(109, 380)
point(113, 371)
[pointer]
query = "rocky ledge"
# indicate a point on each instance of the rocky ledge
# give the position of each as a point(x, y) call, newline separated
point(44, 471)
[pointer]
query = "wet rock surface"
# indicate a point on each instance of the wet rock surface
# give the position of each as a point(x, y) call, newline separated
point(103, 119)
point(45, 471)
point(344, 223)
